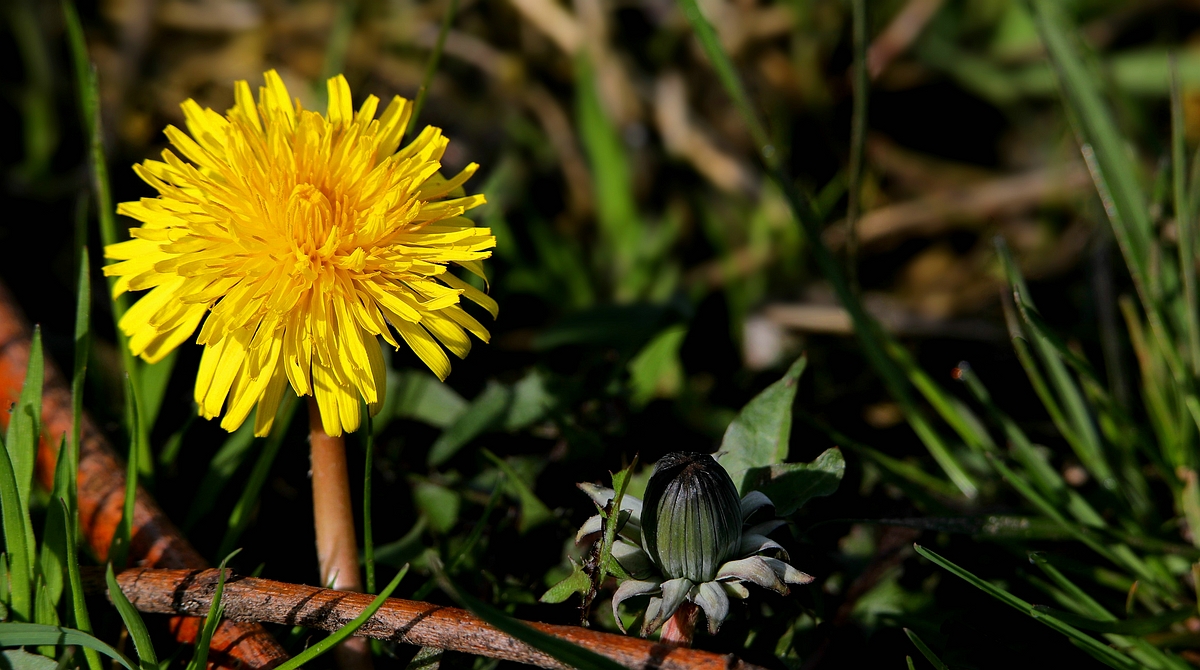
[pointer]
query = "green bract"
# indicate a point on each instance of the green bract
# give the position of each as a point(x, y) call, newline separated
point(688, 542)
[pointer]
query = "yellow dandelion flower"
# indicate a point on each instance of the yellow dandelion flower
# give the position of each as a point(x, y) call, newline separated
point(299, 240)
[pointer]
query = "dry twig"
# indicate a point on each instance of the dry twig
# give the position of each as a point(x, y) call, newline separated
point(419, 623)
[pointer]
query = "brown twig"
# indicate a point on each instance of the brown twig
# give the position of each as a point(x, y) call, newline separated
point(156, 541)
point(418, 623)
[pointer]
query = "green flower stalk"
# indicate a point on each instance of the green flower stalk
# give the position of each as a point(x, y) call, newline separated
point(687, 546)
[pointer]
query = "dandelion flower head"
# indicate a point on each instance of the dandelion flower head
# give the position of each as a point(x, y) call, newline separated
point(293, 241)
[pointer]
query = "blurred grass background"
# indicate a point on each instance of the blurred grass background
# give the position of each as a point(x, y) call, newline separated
point(651, 276)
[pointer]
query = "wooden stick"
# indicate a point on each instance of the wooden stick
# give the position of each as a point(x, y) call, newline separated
point(156, 541)
point(411, 622)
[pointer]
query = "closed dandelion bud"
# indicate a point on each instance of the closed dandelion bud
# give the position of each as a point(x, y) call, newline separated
point(691, 517)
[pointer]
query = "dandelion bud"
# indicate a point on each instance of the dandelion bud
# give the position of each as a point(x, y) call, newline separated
point(691, 517)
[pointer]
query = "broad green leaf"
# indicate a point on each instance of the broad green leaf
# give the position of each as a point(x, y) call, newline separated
point(26, 634)
point(533, 511)
point(657, 372)
point(530, 402)
point(18, 535)
point(577, 582)
point(438, 503)
point(404, 550)
point(422, 397)
point(346, 631)
point(758, 437)
point(18, 659)
point(25, 423)
point(484, 413)
point(790, 485)
point(567, 652)
point(147, 658)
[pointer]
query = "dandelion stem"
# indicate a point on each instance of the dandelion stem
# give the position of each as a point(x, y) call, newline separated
point(681, 627)
point(337, 547)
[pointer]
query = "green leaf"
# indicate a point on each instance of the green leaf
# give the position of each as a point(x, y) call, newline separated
point(239, 518)
point(790, 485)
point(18, 536)
point(53, 554)
point(79, 610)
point(26, 634)
point(533, 511)
point(154, 379)
point(530, 402)
point(18, 659)
point(1142, 626)
point(1091, 645)
point(567, 652)
point(427, 658)
point(439, 504)
point(346, 631)
point(484, 413)
point(925, 651)
point(83, 339)
point(758, 437)
point(657, 372)
point(119, 549)
point(216, 609)
point(147, 658)
point(25, 422)
point(577, 582)
point(422, 397)
point(221, 468)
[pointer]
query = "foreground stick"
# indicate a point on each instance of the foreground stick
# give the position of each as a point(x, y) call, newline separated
point(407, 621)
point(156, 541)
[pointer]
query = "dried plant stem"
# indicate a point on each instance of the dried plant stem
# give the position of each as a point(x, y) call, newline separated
point(681, 627)
point(156, 541)
point(406, 621)
point(333, 518)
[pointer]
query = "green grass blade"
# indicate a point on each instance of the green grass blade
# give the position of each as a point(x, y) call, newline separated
point(925, 651)
point(211, 620)
point(368, 527)
point(220, 471)
point(567, 652)
point(533, 511)
point(432, 64)
point(858, 136)
point(17, 535)
point(83, 343)
point(25, 423)
point(147, 658)
point(88, 89)
point(82, 619)
point(871, 337)
point(119, 550)
point(53, 552)
point(961, 419)
point(23, 634)
point(345, 631)
point(154, 379)
point(239, 518)
point(1097, 649)
point(1185, 222)
point(728, 77)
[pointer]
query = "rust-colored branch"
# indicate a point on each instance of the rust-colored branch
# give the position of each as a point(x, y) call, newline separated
point(418, 623)
point(156, 541)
